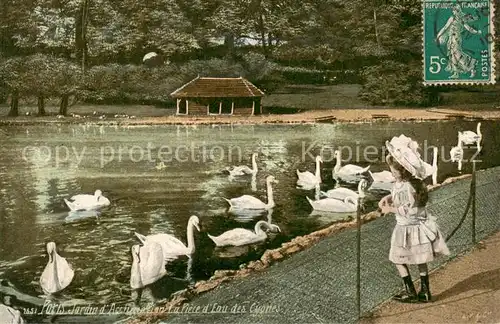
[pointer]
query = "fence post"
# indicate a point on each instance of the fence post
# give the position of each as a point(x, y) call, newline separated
point(473, 193)
point(358, 257)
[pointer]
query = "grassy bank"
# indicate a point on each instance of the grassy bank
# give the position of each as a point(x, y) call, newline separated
point(316, 97)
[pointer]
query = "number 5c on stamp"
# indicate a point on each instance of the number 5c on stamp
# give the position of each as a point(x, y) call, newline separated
point(458, 42)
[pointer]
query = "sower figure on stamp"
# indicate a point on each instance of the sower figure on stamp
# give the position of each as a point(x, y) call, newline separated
point(451, 35)
point(416, 238)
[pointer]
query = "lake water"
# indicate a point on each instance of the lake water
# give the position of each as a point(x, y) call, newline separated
point(41, 165)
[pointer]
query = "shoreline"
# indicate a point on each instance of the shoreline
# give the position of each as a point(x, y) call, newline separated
point(307, 117)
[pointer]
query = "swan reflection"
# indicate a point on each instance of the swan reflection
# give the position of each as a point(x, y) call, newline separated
point(253, 183)
point(382, 186)
point(317, 192)
point(246, 215)
point(74, 216)
point(189, 270)
point(270, 216)
point(229, 252)
point(325, 217)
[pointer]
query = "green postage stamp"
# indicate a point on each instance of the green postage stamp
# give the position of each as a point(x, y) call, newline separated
point(458, 42)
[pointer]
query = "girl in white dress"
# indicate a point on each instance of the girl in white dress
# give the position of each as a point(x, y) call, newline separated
point(416, 238)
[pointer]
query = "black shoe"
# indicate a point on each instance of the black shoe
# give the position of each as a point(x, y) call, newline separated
point(424, 295)
point(410, 294)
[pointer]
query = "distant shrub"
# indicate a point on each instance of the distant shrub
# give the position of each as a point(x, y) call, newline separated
point(217, 68)
point(395, 83)
point(303, 75)
point(32, 76)
point(262, 72)
point(130, 84)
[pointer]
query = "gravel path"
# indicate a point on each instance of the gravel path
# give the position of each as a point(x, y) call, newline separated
point(467, 290)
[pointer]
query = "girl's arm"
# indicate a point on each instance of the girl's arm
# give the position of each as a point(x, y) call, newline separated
point(387, 200)
point(388, 209)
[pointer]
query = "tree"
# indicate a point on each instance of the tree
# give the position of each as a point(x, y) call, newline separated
point(13, 72)
point(40, 77)
point(394, 83)
point(15, 24)
point(260, 71)
point(374, 26)
point(68, 79)
point(199, 15)
point(321, 37)
point(278, 20)
point(47, 26)
point(3, 86)
point(389, 35)
point(132, 28)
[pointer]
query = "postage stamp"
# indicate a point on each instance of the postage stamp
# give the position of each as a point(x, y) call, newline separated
point(458, 42)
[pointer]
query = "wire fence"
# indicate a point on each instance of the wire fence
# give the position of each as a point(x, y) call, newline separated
point(467, 211)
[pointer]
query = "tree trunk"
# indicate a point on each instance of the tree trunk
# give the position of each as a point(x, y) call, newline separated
point(375, 25)
point(41, 106)
point(262, 34)
point(262, 28)
point(81, 48)
point(229, 44)
point(63, 107)
point(85, 20)
point(433, 95)
point(14, 104)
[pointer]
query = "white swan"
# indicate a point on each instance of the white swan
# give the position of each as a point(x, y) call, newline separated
point(334, 205)
point(381, 180)
point(348, 204)
point(457, 152)
point(347, 170)
point(148, 264)
point(148, 56)
point(241, 170)
point(249, 202)
point(307, 179)
point(87, 202)
point(171, 246)
point(57, 274)
point(469, 137)
point(383, 176)
point(9, 315)
point(342, 193)
point(242, 236)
